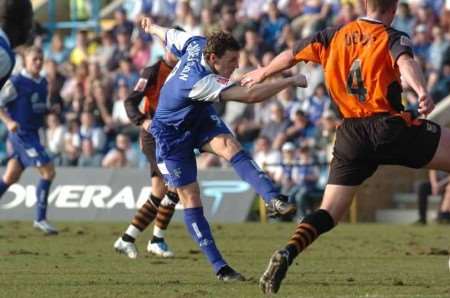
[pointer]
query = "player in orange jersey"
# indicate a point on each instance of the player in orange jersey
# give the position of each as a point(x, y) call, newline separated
point(161, 203)
point(363, 62)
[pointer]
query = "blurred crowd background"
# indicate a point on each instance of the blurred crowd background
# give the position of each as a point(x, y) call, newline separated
point(91, 73)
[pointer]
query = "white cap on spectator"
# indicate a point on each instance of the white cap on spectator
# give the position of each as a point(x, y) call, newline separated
point(288, 146)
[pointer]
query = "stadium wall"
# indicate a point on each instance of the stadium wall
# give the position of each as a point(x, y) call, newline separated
point(80, 194)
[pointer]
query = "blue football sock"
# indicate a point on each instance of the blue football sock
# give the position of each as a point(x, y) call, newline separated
point(199, 229)
point(249, 171)
point(3, 187)
point(42, 195)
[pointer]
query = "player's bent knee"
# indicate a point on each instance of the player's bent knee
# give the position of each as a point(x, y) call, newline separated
point(48, 172)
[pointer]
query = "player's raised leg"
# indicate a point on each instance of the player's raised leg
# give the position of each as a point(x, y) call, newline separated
point(47, 173)
point(335, 203)
point(226, 146)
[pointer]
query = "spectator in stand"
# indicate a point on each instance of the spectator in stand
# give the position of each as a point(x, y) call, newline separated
point(75, 81)
point(126, 74)
point(289, 101)
point(438, 48)
point(208, 21)
point(283, 176)
point(252, 10)
point(74, 105)
point(442, 87)
point(305, 176)
point(54, 133)
point(101, 106)
point(272, 25)
point(422, 42)
point(140, 53)
point(229, 24)
point(119, 115)
point(122, 155)
point(122, 23)
point(97, 75)
point(89, 157)
point(72, 143)
point(55, 83)
point(107, 49)
point(300, 132)
point(317, 104)
point(277, 123)
point(254, 47)
point(122, 50)
point(83, 50)
point(266, 157)
point(438, 184)
point(347, 14)
point(88, 130)
point(404, 20)
point(57, 52)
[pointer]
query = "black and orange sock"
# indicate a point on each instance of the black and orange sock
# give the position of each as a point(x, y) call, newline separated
point(311, 227)
point(166, 210)
point(147, 213)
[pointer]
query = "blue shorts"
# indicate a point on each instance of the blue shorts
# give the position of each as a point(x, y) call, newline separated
point(175, 147)
point(27, 149)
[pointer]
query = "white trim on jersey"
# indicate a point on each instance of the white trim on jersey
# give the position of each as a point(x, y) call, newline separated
point(8, 93)
point(176, 39)
point(208, 88)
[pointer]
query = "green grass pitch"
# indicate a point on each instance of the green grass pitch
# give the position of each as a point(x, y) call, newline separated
point(363, 260)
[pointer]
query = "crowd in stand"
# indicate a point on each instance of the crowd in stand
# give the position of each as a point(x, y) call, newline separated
point(290, 135)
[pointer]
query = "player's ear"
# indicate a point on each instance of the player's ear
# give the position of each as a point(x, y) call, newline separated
point(211, 58)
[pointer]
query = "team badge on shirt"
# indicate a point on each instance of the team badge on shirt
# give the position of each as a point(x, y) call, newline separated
point(405, 41)
point(140, 85)
point(222, 80)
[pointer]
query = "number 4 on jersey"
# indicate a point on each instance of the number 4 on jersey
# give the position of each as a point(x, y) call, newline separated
point(355, 84)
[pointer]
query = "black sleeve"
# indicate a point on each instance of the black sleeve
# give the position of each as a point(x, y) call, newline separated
point(399, 44)
point(147, 80)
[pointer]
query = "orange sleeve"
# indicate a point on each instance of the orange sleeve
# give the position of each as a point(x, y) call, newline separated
point(315, 47)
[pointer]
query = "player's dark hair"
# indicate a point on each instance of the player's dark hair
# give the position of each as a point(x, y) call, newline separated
point(16, 20)
point(219, 42)
point(382, 6)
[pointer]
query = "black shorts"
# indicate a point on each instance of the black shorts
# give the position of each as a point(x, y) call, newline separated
point(362, 144)
point(148, 146)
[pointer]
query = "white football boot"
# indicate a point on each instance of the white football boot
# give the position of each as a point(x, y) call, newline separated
point(45, 227)
point(160, 249)
point(127, 248)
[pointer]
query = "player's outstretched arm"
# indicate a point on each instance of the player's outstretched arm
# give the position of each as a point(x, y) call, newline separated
point(262, 91)
point(413, 76)
point(283, 61)
point(151, 28)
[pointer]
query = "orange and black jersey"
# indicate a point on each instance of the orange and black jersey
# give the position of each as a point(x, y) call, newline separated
point(148, 88)
point(359, 60)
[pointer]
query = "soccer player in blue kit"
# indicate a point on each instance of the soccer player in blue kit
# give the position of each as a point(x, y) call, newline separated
point(185, 120)
point(23, 105)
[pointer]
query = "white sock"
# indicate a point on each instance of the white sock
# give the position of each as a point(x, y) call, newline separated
point(157, 232)
point(133, 231)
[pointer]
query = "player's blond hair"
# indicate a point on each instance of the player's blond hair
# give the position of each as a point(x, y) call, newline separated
point(382, 6)
point(33, 49)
